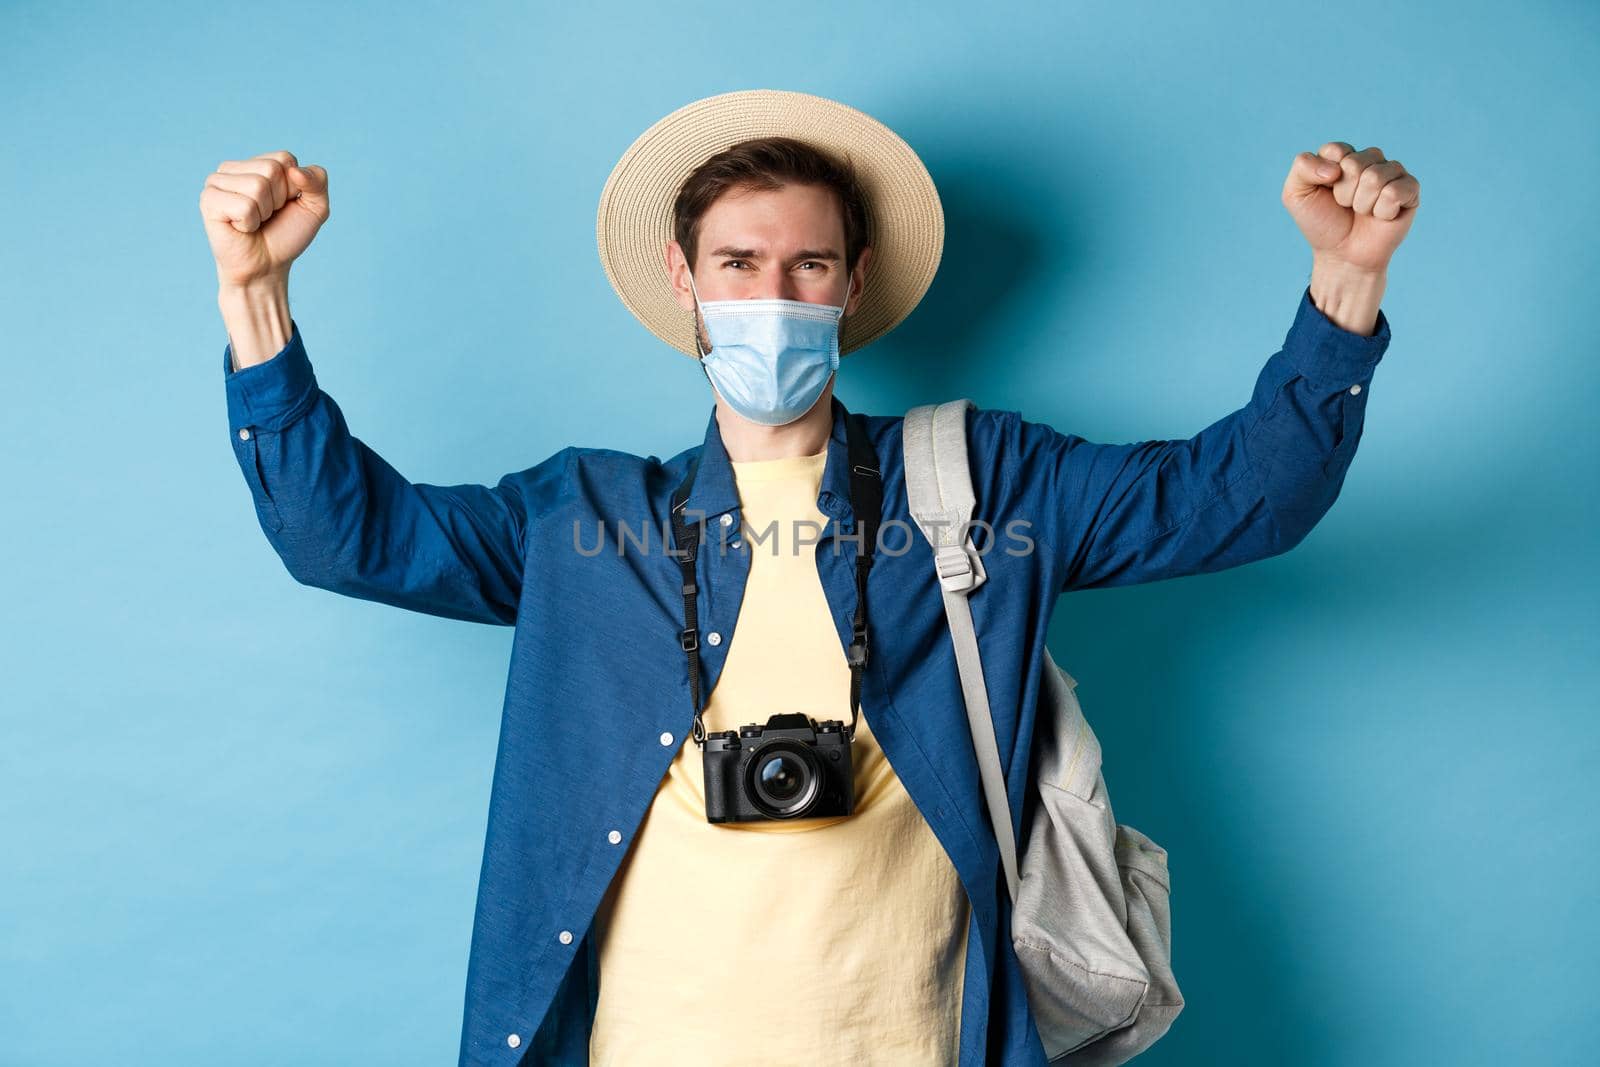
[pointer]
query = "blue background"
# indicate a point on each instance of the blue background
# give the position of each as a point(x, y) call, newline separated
point(241, 820)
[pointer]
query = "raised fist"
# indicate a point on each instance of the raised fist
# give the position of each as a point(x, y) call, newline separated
point(261, 213)
point(1353, 207)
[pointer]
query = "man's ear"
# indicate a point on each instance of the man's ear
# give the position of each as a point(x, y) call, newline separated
point(678, 275)
point(858, 279)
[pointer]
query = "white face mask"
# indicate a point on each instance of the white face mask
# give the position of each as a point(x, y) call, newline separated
point(770, 359)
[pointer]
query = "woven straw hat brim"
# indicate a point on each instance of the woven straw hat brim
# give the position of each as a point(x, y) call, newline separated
point(905, 221)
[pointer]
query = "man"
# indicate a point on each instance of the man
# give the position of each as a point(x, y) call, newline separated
point(622, 916)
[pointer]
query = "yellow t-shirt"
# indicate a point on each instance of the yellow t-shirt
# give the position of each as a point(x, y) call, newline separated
point(837, 940)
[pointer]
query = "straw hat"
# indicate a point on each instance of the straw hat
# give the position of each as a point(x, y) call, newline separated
point(905, 223)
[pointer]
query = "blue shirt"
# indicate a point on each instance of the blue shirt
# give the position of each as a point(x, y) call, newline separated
point(597, 630)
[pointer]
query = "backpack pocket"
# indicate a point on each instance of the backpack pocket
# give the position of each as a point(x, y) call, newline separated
point(1142, 866)
point(1092, 922)
point(1084, 974)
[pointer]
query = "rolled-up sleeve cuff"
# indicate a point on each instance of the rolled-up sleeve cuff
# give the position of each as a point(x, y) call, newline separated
point(273, 394)
point(1329, 354)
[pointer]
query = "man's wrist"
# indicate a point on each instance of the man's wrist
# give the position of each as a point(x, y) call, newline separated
point(257, 319)
point(1348, 296)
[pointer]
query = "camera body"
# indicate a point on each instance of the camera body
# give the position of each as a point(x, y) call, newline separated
point(789, 768)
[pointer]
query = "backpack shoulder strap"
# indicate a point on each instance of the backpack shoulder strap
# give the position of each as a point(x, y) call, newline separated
point(939, 491)
point(939, 488)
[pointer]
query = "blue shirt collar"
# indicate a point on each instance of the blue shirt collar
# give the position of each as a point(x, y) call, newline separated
point(715, 491)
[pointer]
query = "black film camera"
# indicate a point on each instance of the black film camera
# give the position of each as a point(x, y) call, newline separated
point(791, 768)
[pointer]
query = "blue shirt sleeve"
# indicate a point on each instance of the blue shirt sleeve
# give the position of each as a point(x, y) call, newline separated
point(342, 519)
point(1249, 486)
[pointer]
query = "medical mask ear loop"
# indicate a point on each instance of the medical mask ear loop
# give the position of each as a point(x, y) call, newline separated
point(701, 318)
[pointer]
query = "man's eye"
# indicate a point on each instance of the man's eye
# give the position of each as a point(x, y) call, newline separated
point(731, 262)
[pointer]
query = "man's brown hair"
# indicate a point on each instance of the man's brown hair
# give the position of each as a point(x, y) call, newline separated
point(769, 163)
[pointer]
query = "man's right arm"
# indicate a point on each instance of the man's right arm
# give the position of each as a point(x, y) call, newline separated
point(338, 515)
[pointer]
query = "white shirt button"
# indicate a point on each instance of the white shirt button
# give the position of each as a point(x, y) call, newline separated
point(666, 738)
point(565, 937)
point(614, 836)
point(737, 543)
point(244, 433)
point(727, 518)
point(514, 1040)
point(713, 638)
point(1356, 388)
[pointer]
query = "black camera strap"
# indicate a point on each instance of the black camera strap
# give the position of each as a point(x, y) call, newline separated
point(866, 503)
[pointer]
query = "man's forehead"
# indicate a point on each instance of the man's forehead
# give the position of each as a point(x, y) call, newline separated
point(754, 241)
point(786, 215)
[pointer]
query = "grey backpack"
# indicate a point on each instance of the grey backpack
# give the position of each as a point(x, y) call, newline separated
point(1091, 921)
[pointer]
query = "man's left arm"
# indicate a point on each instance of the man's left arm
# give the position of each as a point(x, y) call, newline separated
point(1255, 482)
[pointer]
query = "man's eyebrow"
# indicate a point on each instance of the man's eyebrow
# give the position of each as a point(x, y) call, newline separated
point(804, 253)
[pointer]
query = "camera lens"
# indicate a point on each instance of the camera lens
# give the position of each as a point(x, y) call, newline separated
point(784, 779)
point(781, 777)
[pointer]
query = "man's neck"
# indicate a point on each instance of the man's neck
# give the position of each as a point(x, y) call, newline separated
point(806, 436)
